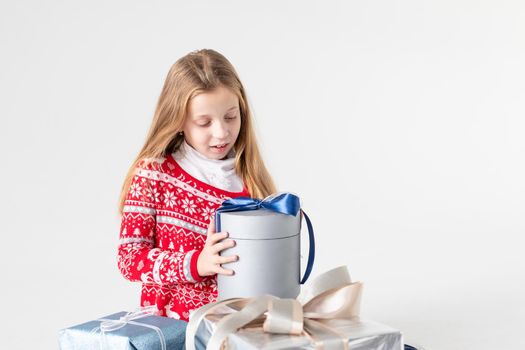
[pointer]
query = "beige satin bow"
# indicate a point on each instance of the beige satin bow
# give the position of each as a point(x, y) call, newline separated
point(329, 295)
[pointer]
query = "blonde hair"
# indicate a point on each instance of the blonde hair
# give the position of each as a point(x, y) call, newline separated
point(197, 72)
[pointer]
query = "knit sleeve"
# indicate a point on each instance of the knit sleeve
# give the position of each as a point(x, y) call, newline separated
point(138, 258)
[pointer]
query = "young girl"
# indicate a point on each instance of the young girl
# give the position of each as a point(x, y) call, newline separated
point(200, 151)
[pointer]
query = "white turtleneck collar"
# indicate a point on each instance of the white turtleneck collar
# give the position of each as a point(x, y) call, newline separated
point(219, 173)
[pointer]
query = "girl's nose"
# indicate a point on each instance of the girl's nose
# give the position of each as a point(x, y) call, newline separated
point(220, 131)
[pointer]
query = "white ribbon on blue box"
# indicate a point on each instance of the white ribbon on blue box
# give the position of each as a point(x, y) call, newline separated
point(139, 330)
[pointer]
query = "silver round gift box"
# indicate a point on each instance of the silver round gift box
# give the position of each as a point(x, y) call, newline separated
point(268, 246)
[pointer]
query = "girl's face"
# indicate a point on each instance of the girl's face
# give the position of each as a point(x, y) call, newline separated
point(213, 122)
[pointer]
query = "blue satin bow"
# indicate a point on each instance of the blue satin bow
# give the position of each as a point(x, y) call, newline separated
point(285, 203)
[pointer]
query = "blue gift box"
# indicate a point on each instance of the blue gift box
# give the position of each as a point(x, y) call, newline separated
point(123, 331)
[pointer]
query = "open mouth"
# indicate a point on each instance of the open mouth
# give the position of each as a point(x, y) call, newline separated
point(220, 147)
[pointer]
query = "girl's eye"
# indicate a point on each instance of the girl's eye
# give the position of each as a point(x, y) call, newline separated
point(208, 123)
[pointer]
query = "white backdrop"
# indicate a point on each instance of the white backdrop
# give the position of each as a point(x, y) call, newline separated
point(400, 124)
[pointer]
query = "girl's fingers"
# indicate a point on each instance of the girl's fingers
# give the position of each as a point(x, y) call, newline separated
point(216, 248)
point(215, 237)
point(224, 271)
point(227, 259)
point(211, 226)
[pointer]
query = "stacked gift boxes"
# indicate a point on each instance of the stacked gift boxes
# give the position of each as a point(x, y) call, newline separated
point(268, 314)
point(258, 308)
point(325, 315)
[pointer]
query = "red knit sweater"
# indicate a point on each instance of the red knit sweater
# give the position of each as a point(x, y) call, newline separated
point(163, 230)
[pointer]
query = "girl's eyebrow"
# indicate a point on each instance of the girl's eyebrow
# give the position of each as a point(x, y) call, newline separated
point(206, 115)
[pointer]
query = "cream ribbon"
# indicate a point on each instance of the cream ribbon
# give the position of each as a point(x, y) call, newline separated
point(329, 295)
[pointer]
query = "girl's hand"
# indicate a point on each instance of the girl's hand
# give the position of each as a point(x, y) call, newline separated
point(209, 261)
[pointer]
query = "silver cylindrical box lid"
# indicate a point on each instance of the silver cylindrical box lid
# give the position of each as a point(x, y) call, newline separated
point(260, 224)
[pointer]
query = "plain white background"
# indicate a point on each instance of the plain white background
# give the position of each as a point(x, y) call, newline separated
point(399, 123)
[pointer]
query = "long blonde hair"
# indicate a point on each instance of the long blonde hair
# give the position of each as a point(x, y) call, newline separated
point(201, 71)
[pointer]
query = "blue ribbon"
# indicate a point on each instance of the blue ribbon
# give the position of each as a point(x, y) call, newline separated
point(285, 203)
